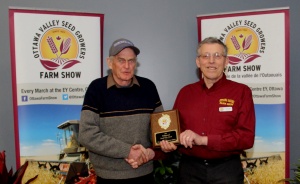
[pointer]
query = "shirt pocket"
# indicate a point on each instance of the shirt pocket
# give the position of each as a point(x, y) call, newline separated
point(225, 121)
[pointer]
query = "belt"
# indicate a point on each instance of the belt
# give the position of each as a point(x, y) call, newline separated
point(209, 161)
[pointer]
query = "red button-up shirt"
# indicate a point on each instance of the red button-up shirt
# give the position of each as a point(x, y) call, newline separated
point(224, 113)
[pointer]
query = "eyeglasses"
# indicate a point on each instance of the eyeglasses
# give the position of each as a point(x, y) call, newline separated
point(207, 56)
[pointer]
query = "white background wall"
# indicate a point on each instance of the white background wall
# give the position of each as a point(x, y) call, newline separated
point(166, 33)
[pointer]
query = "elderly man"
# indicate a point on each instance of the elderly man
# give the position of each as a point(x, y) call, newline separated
point(115, 120)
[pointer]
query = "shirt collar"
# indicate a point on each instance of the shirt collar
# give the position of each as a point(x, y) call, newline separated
point(111, 82)
point(215, 85)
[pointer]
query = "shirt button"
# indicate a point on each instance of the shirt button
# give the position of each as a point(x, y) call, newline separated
point(202, 133)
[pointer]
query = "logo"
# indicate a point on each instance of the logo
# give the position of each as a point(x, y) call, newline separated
point(24, 98)
point(245, 41)
point(164, 121)
point(58, 45)
point(65, 97)
point(226, 101)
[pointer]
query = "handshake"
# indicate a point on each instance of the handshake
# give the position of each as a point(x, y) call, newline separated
point(139, 155)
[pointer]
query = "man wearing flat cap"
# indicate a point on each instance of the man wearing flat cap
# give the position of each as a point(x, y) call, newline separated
point(115, 120)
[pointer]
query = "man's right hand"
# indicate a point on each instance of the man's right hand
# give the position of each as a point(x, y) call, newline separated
point(167, 146)
point(138, 155)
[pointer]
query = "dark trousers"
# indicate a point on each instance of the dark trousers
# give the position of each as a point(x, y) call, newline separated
point(220, 171)
point(147, 179)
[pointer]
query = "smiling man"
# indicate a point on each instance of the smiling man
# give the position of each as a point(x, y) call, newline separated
point(217, 121)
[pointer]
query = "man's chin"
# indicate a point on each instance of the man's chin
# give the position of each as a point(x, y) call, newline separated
point(127, 77)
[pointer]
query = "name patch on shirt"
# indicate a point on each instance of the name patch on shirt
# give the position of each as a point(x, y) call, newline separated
point(226, 101)
point(225, 109)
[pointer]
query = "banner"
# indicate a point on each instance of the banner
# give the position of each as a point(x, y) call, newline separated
point(54, 57)
point(258, 52)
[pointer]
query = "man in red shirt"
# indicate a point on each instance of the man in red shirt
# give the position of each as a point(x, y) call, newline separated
point(217, 121)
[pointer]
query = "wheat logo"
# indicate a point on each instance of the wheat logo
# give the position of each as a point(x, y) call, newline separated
point(59, 49)
point(164, 121)
point(243, 45)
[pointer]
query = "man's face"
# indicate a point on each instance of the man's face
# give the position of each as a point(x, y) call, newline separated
point(211, 61)
point(122, 66)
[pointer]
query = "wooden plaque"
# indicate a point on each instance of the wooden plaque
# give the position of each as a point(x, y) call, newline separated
point(165, 126)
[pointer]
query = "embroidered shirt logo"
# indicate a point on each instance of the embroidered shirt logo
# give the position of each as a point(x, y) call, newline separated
point(226, 101)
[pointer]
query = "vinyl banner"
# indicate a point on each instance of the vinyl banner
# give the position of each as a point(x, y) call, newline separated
point(54, 57)
point(258, 52)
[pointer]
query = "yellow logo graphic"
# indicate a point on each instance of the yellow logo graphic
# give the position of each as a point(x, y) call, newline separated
point(59, 49)
point(243, 45)
point(225, 101)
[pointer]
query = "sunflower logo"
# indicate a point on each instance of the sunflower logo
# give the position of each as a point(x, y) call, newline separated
point(58, 49)
point(243, 45)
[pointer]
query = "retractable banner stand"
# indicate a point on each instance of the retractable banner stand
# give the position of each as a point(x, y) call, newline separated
point(258, 52)
point(54, 57)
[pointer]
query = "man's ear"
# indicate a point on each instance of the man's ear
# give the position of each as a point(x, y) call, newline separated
point(109, 62)
point(197, 62)
point(226, 62)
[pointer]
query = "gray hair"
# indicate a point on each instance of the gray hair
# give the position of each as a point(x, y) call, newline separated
point(212, 40)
